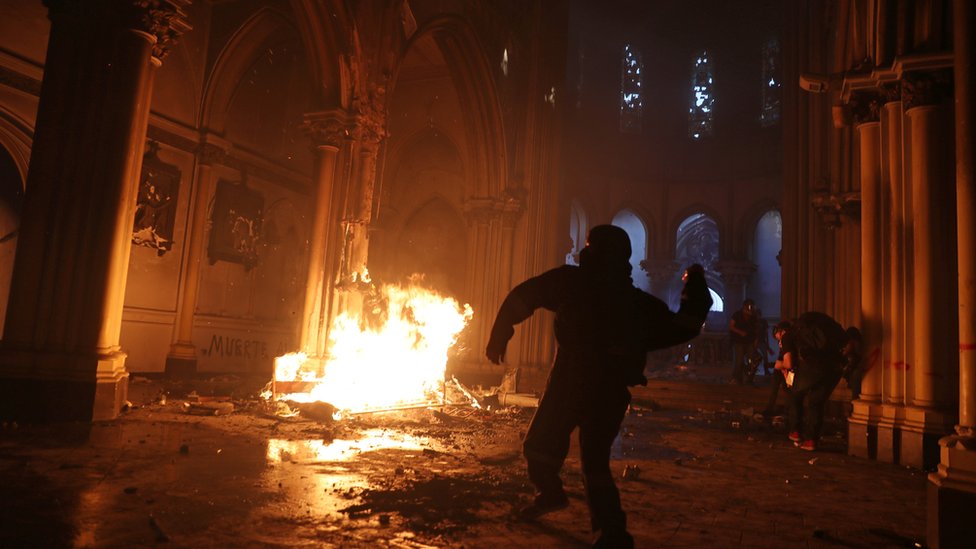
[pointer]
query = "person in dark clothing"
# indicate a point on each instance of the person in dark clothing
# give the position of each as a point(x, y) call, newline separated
point(744, 332)
point(815, 342)
point(604, 328)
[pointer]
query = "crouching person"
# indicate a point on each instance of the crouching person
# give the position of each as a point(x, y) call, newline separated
point(816, 344)
point(604, 328)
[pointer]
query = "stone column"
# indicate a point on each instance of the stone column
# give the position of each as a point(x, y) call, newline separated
point(492, 223)
point(337, 240)
point(181, 360)
point(965, 116)
point(735, 274)
point(933, 369)
point(369, 131)
point(61, 358)
point(894, 250)
point(327, 131)
point(952, 489)
point(934, 229)
point(862, 426)
point(482, 285)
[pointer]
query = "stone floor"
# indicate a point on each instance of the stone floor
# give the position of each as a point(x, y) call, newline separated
point(704, 473)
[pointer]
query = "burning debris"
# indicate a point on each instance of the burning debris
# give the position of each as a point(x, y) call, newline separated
point(394, 355)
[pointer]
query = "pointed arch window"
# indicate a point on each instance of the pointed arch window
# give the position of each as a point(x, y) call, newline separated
point(765, 285)
point(701, 112)
point(771, 84)
point(577, 232)
point(637, 231)
point(631, 95)
point(697, 241)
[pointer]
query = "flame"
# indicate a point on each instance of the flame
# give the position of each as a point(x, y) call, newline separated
point(394, 358)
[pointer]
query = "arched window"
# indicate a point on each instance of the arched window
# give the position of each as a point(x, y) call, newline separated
point(697, 242)
point(630, 222)
point(631, 98)
point(765, 285)
point(771, 84)
point(577, 233)
point(11, 202)
point(700, 115)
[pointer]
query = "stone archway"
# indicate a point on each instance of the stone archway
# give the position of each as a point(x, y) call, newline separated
point(432, 244)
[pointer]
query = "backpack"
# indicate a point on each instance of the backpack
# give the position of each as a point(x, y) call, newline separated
point(819, 338)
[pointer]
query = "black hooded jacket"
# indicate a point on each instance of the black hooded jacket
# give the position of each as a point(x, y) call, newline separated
point(603, 322)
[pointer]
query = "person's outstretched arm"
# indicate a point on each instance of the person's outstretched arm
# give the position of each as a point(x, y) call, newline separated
point(537, 292)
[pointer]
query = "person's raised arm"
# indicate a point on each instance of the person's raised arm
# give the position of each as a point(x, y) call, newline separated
point(696, 301)
point(521, 302)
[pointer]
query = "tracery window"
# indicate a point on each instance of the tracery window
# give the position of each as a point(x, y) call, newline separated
point(771, 84)
point(697, 241)
point(700, 114)
point(631, 100)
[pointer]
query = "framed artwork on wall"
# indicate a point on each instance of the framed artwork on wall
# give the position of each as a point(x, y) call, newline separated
point(159, 188)
point(235, 224)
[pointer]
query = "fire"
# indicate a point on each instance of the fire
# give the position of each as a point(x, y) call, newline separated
point(396, 357)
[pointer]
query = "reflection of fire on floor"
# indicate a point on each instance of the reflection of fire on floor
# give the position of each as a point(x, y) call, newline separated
point(431, 471)
point(439, 477)
point(428, 471)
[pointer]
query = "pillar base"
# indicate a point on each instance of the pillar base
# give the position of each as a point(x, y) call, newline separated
point(952, 495)
point(862, 429)
point(111, 387)
point(48, 387)
point(905, 435)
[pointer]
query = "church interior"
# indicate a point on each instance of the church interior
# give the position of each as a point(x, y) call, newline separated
point(205, 189)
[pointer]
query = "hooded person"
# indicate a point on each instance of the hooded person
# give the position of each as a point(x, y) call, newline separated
point(604, 328)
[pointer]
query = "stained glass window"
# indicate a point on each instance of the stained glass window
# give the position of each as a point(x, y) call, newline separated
point(631, 100)
point(701, 112)
point(770, 83)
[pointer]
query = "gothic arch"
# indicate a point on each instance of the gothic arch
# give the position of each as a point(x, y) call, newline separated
point(401, 149)
point(237, 55)
point(14, 156)
point(579, 227)
point(472, 77)
point(747, 225)
point(684, 213)
point(330, 46)
point(647, 219)
point(696, 249)
point(16, 136)
point(432, 241)
point(637, 229)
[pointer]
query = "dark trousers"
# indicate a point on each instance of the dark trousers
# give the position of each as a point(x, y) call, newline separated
point(570, 402)
point(739, 352)
point(808, 398)
point(777, 382)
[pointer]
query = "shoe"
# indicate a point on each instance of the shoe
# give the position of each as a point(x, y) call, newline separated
point(543, 505)
point(807, 445)
point(795, 436)
point(614, 540)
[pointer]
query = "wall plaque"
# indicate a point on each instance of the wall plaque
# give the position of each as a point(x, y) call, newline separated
point(159, 188)
point(235, 224)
